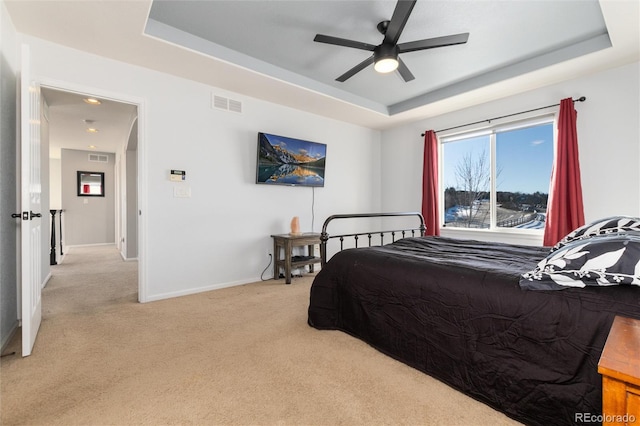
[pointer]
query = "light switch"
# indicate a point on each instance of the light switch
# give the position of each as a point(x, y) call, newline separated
point(85, 201)
point(181, 192)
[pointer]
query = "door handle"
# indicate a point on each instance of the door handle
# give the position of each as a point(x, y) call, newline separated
point(25, 215)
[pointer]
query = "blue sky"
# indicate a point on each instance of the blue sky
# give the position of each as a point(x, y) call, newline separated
point(524, 158)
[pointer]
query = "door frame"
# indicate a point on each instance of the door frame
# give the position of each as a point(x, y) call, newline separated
point(141, 163)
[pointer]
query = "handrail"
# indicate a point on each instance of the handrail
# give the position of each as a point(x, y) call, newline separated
point(324, 235)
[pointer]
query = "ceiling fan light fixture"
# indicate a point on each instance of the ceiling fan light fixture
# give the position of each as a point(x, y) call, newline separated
point(385, 55)
point(385, 58)
point(386, 65)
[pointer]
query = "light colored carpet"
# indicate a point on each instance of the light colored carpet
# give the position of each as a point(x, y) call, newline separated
point(237, 356)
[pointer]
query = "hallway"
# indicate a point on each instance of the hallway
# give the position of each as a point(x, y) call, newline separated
point(90, 280)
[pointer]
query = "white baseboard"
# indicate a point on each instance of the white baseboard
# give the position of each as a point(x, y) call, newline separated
point(128, 259)
point(170, 295)
point(46, 280)
point(67, 247)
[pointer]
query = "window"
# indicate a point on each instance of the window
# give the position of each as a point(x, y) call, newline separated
point(498, 178)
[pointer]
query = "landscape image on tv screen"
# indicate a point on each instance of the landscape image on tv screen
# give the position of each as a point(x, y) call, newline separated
point(289, 161)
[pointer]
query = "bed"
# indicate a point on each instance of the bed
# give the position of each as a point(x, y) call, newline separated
point(460, 311)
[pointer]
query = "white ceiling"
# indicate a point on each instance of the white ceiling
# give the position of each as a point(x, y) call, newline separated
point(70, 117)
point(275, 38)
point(265, 49)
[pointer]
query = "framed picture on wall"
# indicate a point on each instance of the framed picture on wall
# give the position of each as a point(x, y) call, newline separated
point(90, 184)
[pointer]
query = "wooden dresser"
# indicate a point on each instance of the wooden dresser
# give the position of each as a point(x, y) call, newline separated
point(620, 369)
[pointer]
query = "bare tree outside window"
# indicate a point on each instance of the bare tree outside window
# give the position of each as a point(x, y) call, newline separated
point(470, 197)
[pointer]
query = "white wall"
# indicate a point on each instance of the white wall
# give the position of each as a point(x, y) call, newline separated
point(55, 179)
point(220, 236)
point(88, 220)
point(608, 134)
point(130, 214)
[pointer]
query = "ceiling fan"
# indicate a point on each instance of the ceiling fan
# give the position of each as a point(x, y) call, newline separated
point(385, 55)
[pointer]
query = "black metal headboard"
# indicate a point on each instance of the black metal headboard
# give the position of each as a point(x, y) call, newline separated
point(325, 237)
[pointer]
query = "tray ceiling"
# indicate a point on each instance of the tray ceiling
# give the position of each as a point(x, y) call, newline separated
point(507, 39)
point(265, 49)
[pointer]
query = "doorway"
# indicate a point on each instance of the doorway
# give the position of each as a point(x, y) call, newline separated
point(95, 132)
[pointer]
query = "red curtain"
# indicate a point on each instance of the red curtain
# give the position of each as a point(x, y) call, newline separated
point(565, 211)
point(430, 184)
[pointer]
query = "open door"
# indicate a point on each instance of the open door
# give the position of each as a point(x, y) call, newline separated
point(31, 205)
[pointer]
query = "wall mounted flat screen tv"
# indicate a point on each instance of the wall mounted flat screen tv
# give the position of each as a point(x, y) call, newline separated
point(289, 161)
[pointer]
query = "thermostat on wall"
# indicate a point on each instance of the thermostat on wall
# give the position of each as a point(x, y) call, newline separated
point(178, 175)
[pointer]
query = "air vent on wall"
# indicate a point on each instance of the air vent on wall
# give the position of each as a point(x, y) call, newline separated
point(99, 158)
point(235, 106)
point(220, 102)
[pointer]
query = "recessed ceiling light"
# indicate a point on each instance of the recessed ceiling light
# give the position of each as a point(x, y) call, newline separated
point(92, 147)
point(92, 130)
point(92, 101)
point(89, 121)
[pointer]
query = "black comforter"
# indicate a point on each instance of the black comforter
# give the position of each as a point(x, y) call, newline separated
point(454, 310)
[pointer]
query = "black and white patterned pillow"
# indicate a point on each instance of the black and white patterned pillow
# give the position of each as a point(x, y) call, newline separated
point(601, 260)
point(608, 225)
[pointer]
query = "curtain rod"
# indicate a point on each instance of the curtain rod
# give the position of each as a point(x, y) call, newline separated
point(580, 99)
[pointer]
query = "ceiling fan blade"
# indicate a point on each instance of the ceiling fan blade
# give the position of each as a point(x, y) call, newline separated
point(398, 20)
point(404, 71)
point(343, 42)
point(431, 43)
point(362, 65)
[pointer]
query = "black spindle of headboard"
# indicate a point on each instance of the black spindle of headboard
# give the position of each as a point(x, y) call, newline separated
point(324, 235)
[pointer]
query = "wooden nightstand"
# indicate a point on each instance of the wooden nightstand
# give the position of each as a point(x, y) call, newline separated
point(620, 368)
point(287, 242)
